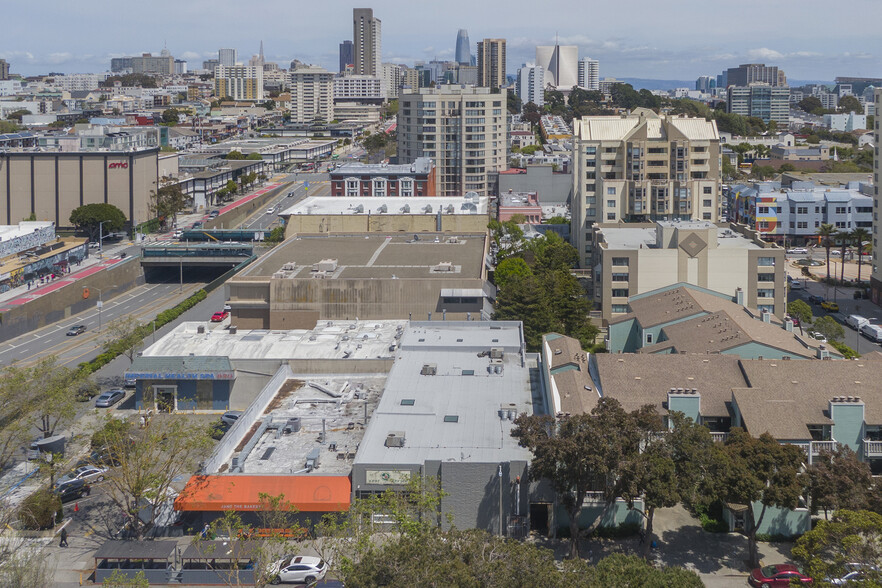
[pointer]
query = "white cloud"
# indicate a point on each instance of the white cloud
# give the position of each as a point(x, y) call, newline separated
point(765, 53)
point(190, 56)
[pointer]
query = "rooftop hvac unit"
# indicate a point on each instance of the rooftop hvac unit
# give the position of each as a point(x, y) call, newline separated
point(496, 353)
point(290, 266)
point(427, 209)
point(444, 266)
point(312, 460)
point(233, 330)
point(406, 209)
point(320, 275)
point(325, 265)
point(200, 329)
point(395, 439)
point(359, 209)
point(383, 209)
point(449, 209)
point(429, 369)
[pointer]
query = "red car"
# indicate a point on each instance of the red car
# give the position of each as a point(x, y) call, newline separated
point(777, 575)
point(219, 317)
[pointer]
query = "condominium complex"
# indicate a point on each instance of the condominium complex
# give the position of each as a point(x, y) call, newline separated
point(227, 57)
point(643, 166)
point(357, 88)
point(366, 42)
point(589, 74)
point(531, 84)
point(876, 277)
point(491, 63)
point(312, 94)
point(147, 63)
point(761, 100)
point(239, 82)
point(462, 128)
point(560, 63)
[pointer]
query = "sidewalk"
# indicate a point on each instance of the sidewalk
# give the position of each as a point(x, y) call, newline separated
point(90, 265)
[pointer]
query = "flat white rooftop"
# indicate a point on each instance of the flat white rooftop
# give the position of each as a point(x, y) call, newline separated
point(9, 232)
point(328, 340)
point(393, 205)
point(646, 237)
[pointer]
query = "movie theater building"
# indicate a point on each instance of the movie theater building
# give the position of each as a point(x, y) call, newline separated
point(51, 185)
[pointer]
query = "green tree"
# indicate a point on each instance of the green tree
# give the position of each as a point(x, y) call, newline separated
point(839, 480)
point(507, 235)
point(277, 235)
point(810, 104)
point(826, 232)
point(17, 115)
point(167, 202)
point(507, 269)
point(513, 103)
point(827, 326)
point(558, 220)
point(757, 470)
point(254, 156)
point(124, 336)
point(133, 79)
point(7, 126)
point(860, 237)
point(120, 579)
point(850, 104)
point(235, 155)
point(38, 510)
point(851, 537)
point(624, 570)
point(150, 460)
point(584, 452)
point(523, 299)
point(170, 116)
point(801, 311)
point(50, 391)
point(90, 216)
point(625, 96)
point(532, 114)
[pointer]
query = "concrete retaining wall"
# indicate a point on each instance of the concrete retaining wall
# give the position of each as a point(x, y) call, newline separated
point(67, 301)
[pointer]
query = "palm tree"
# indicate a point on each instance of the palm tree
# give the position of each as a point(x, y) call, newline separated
point(825, 232)
point(844, 238)
point(860, 236)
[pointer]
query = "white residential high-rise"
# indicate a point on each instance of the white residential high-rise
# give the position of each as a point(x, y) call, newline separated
point(366, 42)
point(226, 57)
point(463, 128)
point(560, 64)
point(391, 79)
point(531, 84)
point(312, 94)
point(589, 74)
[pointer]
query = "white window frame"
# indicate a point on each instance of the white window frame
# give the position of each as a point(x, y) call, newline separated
point(353, 187)
point(405, 186)
point(378, 186)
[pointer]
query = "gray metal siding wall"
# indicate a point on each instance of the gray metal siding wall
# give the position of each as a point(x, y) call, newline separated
point(476, 494)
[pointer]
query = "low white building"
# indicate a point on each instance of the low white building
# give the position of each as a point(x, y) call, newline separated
point(845, 122)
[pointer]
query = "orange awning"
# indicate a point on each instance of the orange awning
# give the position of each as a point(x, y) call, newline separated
point(242, 492)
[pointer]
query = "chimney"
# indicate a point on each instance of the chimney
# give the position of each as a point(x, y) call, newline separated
point(767, 317)
point(788, 325)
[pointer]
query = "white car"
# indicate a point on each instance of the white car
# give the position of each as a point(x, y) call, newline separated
point(297, 569)
point(797, 251)
point(86, 473)
point(270, 210)
point(817, 336)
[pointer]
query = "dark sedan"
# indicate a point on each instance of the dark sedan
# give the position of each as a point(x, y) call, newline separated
point(76, 330)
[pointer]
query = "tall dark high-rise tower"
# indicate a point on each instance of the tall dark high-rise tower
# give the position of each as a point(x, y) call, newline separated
point(463, 49)
point(346, 57)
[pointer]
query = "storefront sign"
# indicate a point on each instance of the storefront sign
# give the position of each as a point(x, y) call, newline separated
point(387, 477)
point(118, 165)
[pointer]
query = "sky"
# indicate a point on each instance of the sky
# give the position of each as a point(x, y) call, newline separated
point(676, 39)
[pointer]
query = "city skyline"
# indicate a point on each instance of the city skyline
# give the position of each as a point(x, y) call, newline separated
point(680, 43)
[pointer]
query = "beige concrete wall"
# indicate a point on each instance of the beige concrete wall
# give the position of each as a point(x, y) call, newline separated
point(69, 300)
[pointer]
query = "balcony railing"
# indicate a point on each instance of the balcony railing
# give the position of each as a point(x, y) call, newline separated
point(872, 448)
point(719, 437)
point(819, 446)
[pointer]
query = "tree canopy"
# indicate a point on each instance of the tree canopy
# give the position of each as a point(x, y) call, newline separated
point(89, 216)
point(851, 537)
point(167, 202)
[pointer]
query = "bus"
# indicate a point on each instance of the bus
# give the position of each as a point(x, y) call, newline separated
point(307, 166)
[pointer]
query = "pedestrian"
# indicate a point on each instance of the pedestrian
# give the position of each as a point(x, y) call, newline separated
point(29, 285)
point(642, 536)
point(205, 531)
point(63, 542)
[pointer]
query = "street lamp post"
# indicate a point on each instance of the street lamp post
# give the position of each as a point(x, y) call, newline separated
point(101, 238)
point(100, 304)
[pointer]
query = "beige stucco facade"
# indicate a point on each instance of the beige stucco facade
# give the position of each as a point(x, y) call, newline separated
point(52, 185)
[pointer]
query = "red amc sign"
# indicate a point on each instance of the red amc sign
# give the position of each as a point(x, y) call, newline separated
point(118, 165)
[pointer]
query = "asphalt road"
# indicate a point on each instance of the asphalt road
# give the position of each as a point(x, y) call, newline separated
point(307, 184)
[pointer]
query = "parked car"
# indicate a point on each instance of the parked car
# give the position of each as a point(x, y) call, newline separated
point(856, 574)
point(796, 285)
point(94, 245)
point(72, 490)
point(830, 306)
point(815, 299)
point(816, 336)
point(231, 416)
point(794, 319)
point(86, 473)
point(219, 317)
point(298, 568)
point(270, 210)
point(179, 233)
point(777, 575)
point(872, 332)
point(76, 330)
point(109, 398)
point(797, 251)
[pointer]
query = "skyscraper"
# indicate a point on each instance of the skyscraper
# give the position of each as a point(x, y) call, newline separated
point(560, 64)
point(226, 57)
point(366, 42)
point(4, 70)
point(748, 73)
point(491, 63)
point(463, 49)
point(589, 74)
point(345, 55)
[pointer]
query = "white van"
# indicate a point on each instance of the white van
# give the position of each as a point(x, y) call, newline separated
point(856, 321)
point(872, 332)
